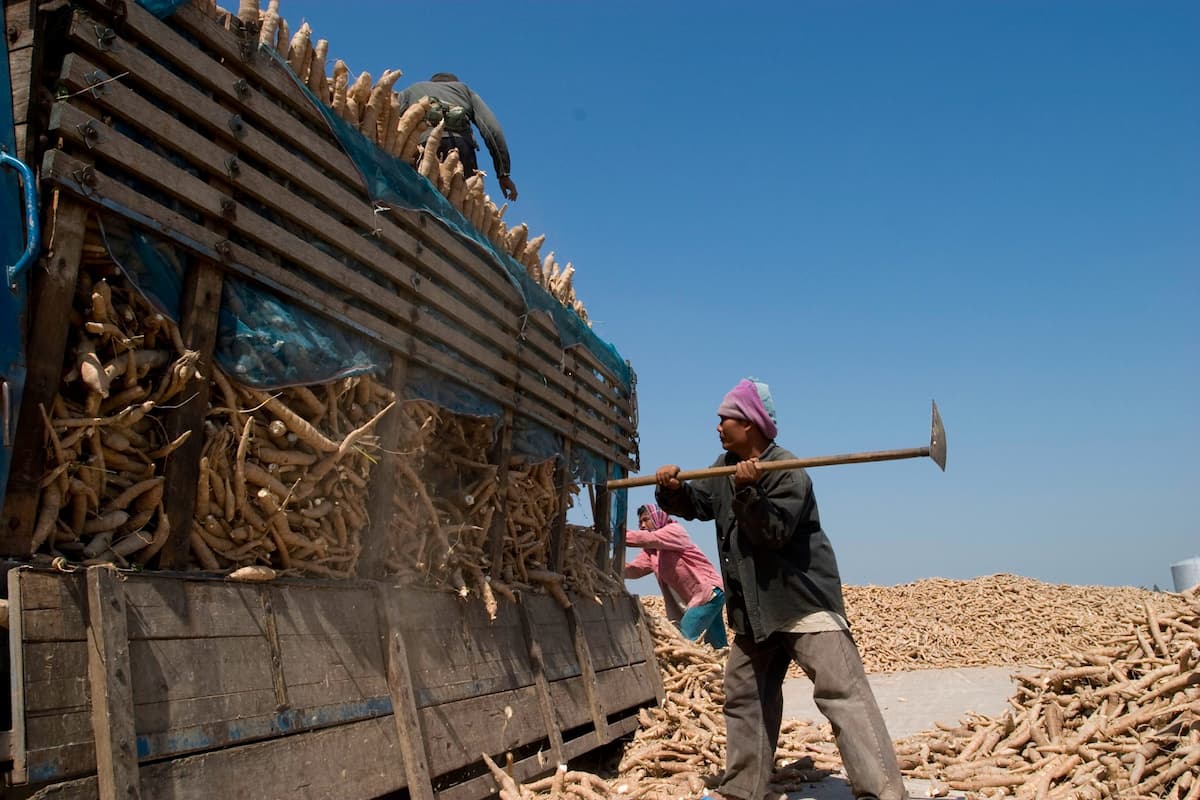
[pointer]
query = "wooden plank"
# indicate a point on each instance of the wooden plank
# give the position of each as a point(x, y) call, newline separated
point(456, 652)
point(411, 732)
point(53, 289)
point(20, 36)
point(276, 658)
point(201, 307)
point(543, 687)
point(533, 766)
point(601, 516)
point(112, 691)
point(56, 677)
point(610, 629)
point(623, 689)
point(16, 673)
point(359, 760)
point(458, 732)
point(594, 700)
point(559, 656)
point(325, 608)
point(381, 501)
point(500, 456)
point(558, 533)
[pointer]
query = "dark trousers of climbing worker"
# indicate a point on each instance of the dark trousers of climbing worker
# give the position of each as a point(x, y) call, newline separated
point(754, 675)
point(465, 145)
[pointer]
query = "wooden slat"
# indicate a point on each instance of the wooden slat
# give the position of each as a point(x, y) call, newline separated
point(20, 37)
point(16, 673)
point(276, 659)
point(501, 456)
point(611, 630)
point(112, 692)
point(559, 656)
point(558, 533)
point(200, 308)
point(623, 689)
point(533, 766)
point(602, 514)
point(53, 290)
point(359, 760)
point(594, 701)
point(456, 652)
point(411, 729)
point(542, 686)
point(381, 500)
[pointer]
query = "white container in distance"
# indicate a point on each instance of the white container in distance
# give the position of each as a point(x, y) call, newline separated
point(1186, 573)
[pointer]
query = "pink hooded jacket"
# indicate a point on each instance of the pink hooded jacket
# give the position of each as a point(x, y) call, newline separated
point(681, 568)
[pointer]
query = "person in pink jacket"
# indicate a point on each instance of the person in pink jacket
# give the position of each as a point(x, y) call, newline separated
point(691, 587)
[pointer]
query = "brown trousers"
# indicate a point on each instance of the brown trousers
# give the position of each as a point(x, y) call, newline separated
point(754, 676)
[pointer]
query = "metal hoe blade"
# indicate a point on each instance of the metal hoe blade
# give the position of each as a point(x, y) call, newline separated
point(937, 439)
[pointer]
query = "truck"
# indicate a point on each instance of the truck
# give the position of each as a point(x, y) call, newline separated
point(155, 155)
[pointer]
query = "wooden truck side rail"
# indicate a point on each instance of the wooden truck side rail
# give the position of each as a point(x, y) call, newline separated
point(176, 685)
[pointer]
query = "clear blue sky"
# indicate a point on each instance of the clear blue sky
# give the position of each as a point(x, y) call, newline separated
point(869, 205)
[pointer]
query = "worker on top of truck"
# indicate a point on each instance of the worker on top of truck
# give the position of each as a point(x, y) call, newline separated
point(693, 594)
point(458, 106)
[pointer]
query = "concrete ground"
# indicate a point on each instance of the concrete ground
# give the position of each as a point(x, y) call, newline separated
point(911, 702)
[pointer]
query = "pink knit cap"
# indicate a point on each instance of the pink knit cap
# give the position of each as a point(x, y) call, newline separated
point(751, 401)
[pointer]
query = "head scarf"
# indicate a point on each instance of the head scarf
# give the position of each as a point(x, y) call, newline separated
point(658, 517)
point(751, 401)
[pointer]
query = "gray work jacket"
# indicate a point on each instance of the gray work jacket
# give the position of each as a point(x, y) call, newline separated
point(777, 562)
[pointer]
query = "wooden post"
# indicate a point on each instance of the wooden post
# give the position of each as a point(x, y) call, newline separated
point(381, 498)
point(500, 518)
point(49, 313)
point(588, 673)
point(271, 631)
point(24, 65)
point(200, 304)
point(558, 534)
point(111, 688)
point(537, 661)
point(602, 516)
point(404, 701)
point(618, 544)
